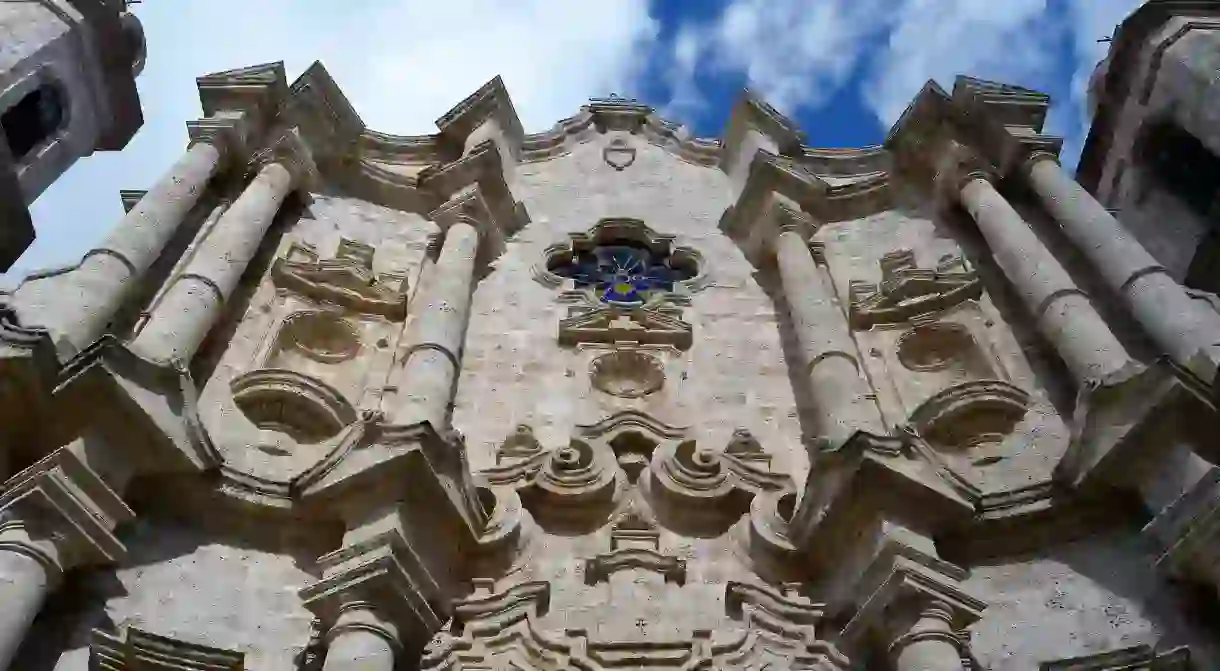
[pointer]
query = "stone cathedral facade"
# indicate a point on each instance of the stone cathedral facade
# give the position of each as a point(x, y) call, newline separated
point(611, 396)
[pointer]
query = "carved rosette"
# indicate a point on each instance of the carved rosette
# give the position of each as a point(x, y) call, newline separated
point(574, 484)
point(701, 490)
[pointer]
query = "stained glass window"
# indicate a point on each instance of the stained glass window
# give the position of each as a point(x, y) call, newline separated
point(623, 272)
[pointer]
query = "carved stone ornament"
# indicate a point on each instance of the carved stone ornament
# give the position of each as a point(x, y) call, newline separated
point(345, 280)
point(142, 650)
point(907, 291)
point(971, 414)
point(932, 347)
point(702, 491)
point(627, 374)
point(500, 630)
point(571, 486)
point(302, 408)
point(324, 337)
point(619, 250)
point(520, 444)
point(618, 154)
point(613, 324)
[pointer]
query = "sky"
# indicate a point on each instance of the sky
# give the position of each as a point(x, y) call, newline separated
point(843, 69)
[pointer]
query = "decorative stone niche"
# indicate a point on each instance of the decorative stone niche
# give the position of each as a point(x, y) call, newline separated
point(299, 407)
point(927, 344)
point(627, 374)
point(322, 336)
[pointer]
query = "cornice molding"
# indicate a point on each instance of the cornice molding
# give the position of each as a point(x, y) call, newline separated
point(1119, 81)
point(490, 102)
point(139, 649)
point(259, 90)
point(154, 407)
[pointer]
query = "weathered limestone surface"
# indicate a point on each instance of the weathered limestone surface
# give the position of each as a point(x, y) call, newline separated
point(853, 252)
point(1079, 599)
point(612, 395)
point(737, 374)
point(191, 585)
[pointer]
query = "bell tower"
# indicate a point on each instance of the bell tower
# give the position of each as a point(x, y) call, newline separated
point(67, 89)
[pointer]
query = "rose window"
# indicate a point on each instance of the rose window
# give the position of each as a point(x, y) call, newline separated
point(623, 272)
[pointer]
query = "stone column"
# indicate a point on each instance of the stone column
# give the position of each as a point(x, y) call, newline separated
point(843, 398)
point(97, 288)
point(58, 514)
point(191, 305)
point(1159, 303)
point(361, 640)
point(29, 570)
point(1063, 312)
point(429, 370)
point(926, 642)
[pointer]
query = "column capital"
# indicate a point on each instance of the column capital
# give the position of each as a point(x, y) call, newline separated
point(61, 498)
point(911, 585)
point(469, 207)
point(378, 585)
point(784, 215)
point(228, 134)
point(363, 616)
point(1036, 156)
point(290, 151)
point(958, 166)
point(904, 632)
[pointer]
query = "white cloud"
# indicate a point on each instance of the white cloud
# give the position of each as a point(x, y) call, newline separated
point(1006, 40)
point(794, 53)
point(402, 64)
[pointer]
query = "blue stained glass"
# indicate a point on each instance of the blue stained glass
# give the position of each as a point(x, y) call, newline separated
point(622, 272)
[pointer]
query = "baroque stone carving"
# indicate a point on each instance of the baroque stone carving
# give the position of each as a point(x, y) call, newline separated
point(681, 269)
point(322, 336)
point(345, 280)
point(139, 649)
point(501, 630)
point(628, 374)
point(618, 154)
point(907, 291)
point(612, 324)
point(971, 414)
point(298, 406)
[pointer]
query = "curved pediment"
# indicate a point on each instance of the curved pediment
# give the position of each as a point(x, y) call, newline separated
point(404, 170)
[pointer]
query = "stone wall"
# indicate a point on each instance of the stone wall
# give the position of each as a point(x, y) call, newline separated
point(185, 583)
point(515, 372)
point(1084, 598)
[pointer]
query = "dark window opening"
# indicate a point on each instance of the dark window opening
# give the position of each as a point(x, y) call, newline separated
point(34, 119)
point(1182, 164)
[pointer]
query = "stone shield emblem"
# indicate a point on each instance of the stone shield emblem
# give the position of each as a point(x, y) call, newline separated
point(618, 154)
